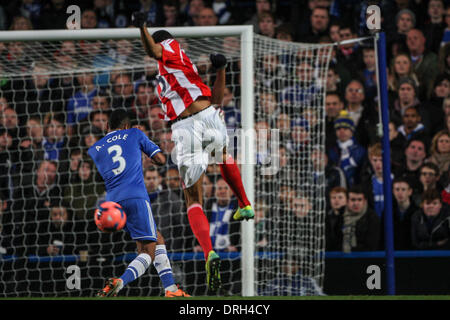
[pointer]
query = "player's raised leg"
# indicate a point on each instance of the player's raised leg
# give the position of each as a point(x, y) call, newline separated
point(200, 227)
point(232, 176)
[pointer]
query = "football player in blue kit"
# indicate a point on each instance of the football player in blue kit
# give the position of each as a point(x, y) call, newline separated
point(118, 158)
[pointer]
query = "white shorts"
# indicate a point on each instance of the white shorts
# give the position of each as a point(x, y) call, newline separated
point(195, 138)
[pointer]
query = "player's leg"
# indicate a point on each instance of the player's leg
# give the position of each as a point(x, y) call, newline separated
point(164, 269)
point(200, 227)
point(232, 176)
point(228, 168)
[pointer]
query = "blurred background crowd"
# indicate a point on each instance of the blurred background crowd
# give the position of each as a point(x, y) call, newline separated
point(49, 188)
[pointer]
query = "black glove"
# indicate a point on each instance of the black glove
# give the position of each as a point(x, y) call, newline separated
point(139, 18)
point(218, 61)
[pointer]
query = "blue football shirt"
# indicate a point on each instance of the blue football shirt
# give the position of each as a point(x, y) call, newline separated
point(118, 159)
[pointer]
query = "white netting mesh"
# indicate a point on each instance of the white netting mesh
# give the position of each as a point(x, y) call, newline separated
point(55, 99)
point(290, 87)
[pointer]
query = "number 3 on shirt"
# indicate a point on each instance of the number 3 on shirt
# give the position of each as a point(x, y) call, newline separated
point(118, 158)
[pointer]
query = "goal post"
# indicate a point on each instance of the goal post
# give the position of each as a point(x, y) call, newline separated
point(247, 98)
point(280, 89)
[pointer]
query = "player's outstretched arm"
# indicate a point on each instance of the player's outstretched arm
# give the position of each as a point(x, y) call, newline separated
point(219, 62)
point(153, 49)
point(159, 158)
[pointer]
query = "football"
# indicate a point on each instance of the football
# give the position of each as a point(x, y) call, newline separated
point(110, 217)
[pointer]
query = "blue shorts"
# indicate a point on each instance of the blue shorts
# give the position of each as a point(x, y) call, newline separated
point(140, 223)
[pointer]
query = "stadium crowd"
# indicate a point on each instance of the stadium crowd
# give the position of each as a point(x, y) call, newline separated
point(47, 182)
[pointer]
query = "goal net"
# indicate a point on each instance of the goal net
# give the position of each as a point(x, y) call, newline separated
point(55, 100)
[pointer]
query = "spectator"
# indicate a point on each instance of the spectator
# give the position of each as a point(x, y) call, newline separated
point(434, 105)
point(334, 83)
point(334, 29)
point(284, 33)
point(193, 12)
point(31, 148)
point(283, 123)
point(31, 202)
point(291, 281)
point(368, 74)
point(322, 168)
point(153, 10)
point(337, 199)
point(56, 235)
point(21, 23)
point(446, 33)
point(219, 210)
point(361, 225)
point(354, 97)
point(434, 28)
point(319, 22)
point(429, 176)
point(101, 101)
point(208, 188)
point(222, 10)
point(405, 20)
point(333, 106)
point(261, 6)
point(35, 96)
point(402, 212)
point(156, 124)
point(230, 107)
point(304, 91)
point(10, 121)
point(261, 222)
point(430, 225)
point(271, 70)
point(440, 151)
point(173, 182)
point(267, 104)
point(83, 191)
point(407, 97)
point(89, 136)
point(300, 138)
point(167, 209)
point(123, 92)
point(88, 19)
point(145, 98)
point(425, 62)
point(55, 142)
point(415, 155)
point(99, 119)
point(398, 145)
point(266, 24)
point(401, 66)
point(79, 106)
point(54, 15)
point(350, 54)
point(207, 17)
point(373, 183)
point(412, 127)
point(347, 153)
point(171, 14)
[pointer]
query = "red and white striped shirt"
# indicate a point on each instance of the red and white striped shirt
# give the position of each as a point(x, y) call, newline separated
point(179, 83)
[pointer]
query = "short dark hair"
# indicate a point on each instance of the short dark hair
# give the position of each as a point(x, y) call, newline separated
point(432, 166)
point(118, 119)
point(430, 195)
point(357, 189)
point(161, 35)
point(401, 180)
